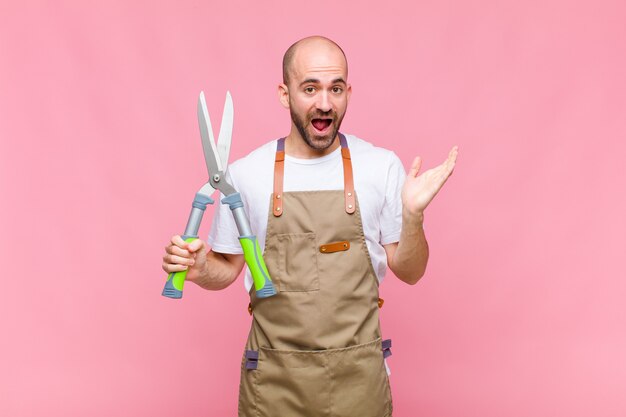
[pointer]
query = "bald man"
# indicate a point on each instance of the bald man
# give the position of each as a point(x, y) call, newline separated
point(340, 212)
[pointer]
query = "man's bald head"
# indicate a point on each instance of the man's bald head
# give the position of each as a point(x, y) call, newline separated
point(319, 42)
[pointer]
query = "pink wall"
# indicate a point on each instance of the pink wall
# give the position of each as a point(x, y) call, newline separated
point(521, 312)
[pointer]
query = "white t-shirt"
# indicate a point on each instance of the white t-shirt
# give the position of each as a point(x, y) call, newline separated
point(378, 179)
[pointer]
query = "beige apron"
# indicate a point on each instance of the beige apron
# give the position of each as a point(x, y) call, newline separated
point(315, 348)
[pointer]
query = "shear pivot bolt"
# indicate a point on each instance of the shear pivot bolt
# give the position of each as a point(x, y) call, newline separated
point(216, 178)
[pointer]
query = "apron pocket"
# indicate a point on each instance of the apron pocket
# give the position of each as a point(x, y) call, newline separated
point(344, 382)
point(359, 382)
point(292, 383)
point(297, 264)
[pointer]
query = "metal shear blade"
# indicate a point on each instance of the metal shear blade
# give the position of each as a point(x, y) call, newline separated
point(216, 157)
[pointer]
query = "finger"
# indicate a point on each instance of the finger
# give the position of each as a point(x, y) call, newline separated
point(415, 166)
point(447, 165)
point(438, 171)
point(178, 241)
point(195, 245)
point(453, 154)
point(175, 250)
point(451, 160)
point(178, 260)
point(169, 268)
point(437, 175)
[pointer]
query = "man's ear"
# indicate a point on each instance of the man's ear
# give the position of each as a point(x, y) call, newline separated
point(283, 95)
point(349, 91)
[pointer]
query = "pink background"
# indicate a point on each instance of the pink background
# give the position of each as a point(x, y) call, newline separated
point(521, 312)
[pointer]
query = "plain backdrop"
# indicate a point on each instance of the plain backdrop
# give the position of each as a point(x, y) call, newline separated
point(521, 311)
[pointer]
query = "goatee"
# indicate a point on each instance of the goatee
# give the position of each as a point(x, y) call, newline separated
point(317, 143)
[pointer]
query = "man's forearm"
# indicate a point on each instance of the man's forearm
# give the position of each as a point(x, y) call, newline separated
point(411, 255)
point(220, 271)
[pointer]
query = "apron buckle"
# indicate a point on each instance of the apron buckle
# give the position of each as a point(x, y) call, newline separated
point(386, 348)
point(252, 359)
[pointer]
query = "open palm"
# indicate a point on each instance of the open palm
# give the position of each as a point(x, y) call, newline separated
point(419, 190)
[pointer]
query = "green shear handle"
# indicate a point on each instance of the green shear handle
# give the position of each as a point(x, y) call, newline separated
point(176, 280)
point(254, 259)
point(251, 248)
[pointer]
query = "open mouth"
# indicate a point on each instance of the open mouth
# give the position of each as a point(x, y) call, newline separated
point(321, 125)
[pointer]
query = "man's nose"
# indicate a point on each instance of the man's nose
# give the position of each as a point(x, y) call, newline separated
point(323, 102)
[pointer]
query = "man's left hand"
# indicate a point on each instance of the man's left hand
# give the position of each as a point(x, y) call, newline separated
point(418, 191)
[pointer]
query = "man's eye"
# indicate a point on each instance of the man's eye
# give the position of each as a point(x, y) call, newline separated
point(337, 90)
point(309, 90)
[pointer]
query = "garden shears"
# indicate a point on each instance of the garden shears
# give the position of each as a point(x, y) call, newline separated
point(216, 159)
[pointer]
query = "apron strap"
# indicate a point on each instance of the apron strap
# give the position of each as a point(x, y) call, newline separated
point(348, 181)
point(279, 173)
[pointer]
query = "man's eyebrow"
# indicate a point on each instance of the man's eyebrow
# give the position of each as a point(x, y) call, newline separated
point(339, 80)
point(310, 80)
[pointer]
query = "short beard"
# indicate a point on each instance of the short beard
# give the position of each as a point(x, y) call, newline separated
point(317, 144)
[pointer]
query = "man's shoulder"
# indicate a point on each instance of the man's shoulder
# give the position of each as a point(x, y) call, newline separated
point(256, 158)
point(367, 151)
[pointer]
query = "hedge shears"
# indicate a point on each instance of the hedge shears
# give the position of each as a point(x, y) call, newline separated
point(216, 158)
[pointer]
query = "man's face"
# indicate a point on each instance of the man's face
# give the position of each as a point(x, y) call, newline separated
point(318, 95)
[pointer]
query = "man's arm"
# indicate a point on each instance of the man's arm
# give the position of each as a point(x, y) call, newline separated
point(210, 270)
point(407, 258)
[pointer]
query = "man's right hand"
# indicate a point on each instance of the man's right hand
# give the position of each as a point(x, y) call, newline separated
point(181, 255)
point(208, 269)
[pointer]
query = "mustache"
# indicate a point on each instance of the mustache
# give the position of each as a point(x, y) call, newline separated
point(322, 115)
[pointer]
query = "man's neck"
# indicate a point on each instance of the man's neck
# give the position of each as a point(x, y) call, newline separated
point(296, 147)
